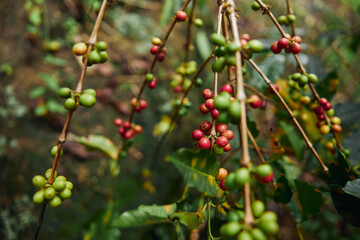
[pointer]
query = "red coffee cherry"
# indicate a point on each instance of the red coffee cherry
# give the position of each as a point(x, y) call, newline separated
point(296, 39)
point(283, 43)
point(181, 16)
point(226, 88)
point(137, 109)
point(227, 147)
point(221, 127)
point(323, 101)
point(164, 50)
point(204, 109)
point(209, 103)
point(152, 84)
point(143, 104)
point(205, 126)
point(255, 101)
point(214, 113)
point(129, 133)
point(178, 89)
point(275, 48)
point(336, 128)
point(118, 122)
point(207, 93)
point(222, 141)
point(121, 130)
point(327, 106)
point(228, 134)
point(319, 110)
point(295, 48)
point(138, 129)
point(154, 49)
point(126, 124)
point(222, 185)
point(161, 56)
point(197, 134)
point(204, 143)
point(321, 117)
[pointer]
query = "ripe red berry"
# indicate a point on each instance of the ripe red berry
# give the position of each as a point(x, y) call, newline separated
point(283, 43)
point(336, 128)
point(121, 130)
point(178, 89)
point(255, 101)
point(126, 124)
point(138, 129)
point(143, 104)
point(154, 49)
point(323, 101)
point(205, 126)
point(228, 134)
point(276, 88)
point(152, 84)
point(161, 56)
point(226, 88)
point(222, 185)
point(222, 141)
point(327, 106)
point(295, 48)
point(227, 147)
point(181, 16)
point(214, 113)
point(207, 93)
point(221, 127)
point(275, 48)
point(321, 117)
point(319, 110)
point(204, 143)
point(164, 50)
point(296, 39)
point(197, 134)
point(118, 122)
point(209, 103)
point(137, 109)
point(129, 133)
point(204, 109)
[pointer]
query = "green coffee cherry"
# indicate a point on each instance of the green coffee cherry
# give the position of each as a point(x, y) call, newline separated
point(218, 150)
point(49, 193)
point(39, 181)
point(242, 176)
point(282, 20)
point(224, 117)
point(198, 22)
point(54, 150)
point(230, 229)
point(60, 178)
point(255, 45)
point(64, 92)
point(69, 185)
point(59, 185)
point(90, 91)
point(257, 234)
point(268, 216)
point(87, 100)
point(39, 197)
point(244, 235)
point(104, 56)
point(230, 60)
point(291, 18)
point(312, 78)
point(218, 39)
point(222, 102)
point(198, 82)
point(48, 173)
point(270, 228)
point(230, 181)
point(149, 77)
point(255, 6)
point(232, 47)
point(94, 57)
point(258, 208)
point(55, 202)
point(219, 64)
point(101, 46)
point(235, 109)
point(70, 104)
point(296, 76)
point(220, 51)
point(65, 194)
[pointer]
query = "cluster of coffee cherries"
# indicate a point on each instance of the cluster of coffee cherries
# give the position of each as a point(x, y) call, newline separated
point(286, 20)
point(301, 80)
point(264, 226)
point(180, 81)
point(326, 107)
point(222, 137)
point(288, 44)
point(151, 80)
point(228, 182)
point(86, 99)
point(138, 105)
point(126, 129)
point(97, 55)
point(54, 193)
point(157, 50)
point(225, 51)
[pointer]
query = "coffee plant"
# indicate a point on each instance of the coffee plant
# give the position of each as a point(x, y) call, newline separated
point(199, 127)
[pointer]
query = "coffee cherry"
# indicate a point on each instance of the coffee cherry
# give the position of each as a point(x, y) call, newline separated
point(321, 117)
point(282, 20)
point(222, 185)
point(219, 64)
point(161, 56)
point(59, 185)
point(296, 76)
point(329, 146)
point(276, 88)
point(230, 181)
point(323, 101)
point(104, 56)
point(230, 229)
point(258, 208)
point(218, 150)
point(178, 89)
point(295, 48)
point(181, 16)
point(327, 106)
point(214, 114)
point(118, 122)
point(149, 77)
point(48, 173)
point(232, 47)
point(101, 46)
point(66, 193)
point(154, 49)
point(64, 92)
point(54, 150)
point(156, 41)
point(198, 22)
point(204, 109)
point(228, 134)
point(223, 117)
point(227, 147)
point(255, 45)
point(204, 143)
point(79, 49)
point(218, 39)
point(235, 109)
point(210, 104)
point(143, 104)
point(244, 235)
point(330, 112)
point(291, 18)
point(270, 228)
point(39, 181)
point(49, 193)
point(283, 43)
point(257, 234)
point(255, 101)
point(235, 216)
point(222, 102)
point(220, 127)
point(336, 128)
point(138, 129)
point(305, 100)
point(87, 100)
point(255, 6)
point(226, 88)
point(39, 197)
point(70, 104)
point(69, 185)
point(207, 93)
point(198, 82)
point(296, 39)
point(242, 176)
point(325, 129)
point(222, 174)
point(55, 202)
point(152, 84)
point(197, 134)
point(222, 141)
point(303, 80)
point(94, 57)
point(90, 91)
point(129, 133)
point(319, 110)
point(312, 78)
point(268, 216)
point(267, 179)
point(263, 170)
point(60, 178)
point(336, 120)
point(275, 48)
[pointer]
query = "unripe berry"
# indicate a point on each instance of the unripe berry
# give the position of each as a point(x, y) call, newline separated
point(55, 202)
point(138, 129)
point(79, 49)
point(258, 208)
point(64, 92)
point(70, 104)
point(218, 150)
point(69, 185)
point(66, 193)
point(48, 173)
point(336, 120)
point(49, 193)
point(204, 143)
point(222, 102)
point(255, 6)
point(59, 185)
point(181, 16)
point(336, 128)
point(156, 41)
point(87, 100)
point(255, 45)
point(325, 129)
point(39, 197)
point(222, 174)
point(101, 46)
point(242, 176)
point(197, 134)
point(39, 181)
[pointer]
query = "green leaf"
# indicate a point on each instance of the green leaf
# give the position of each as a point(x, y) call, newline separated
point(294, 208)
point(282, 193)
point(53, 106)
point(325, 88)
point(37, 92)
point(339, 171)
point(166, 12)
point(289, 170)
point(51, 81)
point(198, 168)
point(310, 198)
point(203, 45)
point(144, 215)
point(99, 143)
point(353, 188)
point(55, 60)
point(190, 219)
point(40, 110)
point(292, 139)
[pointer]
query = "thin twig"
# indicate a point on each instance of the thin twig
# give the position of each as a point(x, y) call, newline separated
point(290, 11)
point(188, 34)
